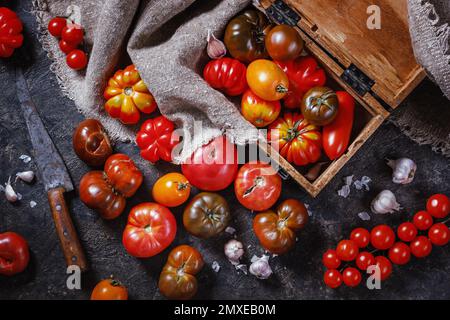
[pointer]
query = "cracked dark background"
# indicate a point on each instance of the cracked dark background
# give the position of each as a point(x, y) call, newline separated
point(297, 275)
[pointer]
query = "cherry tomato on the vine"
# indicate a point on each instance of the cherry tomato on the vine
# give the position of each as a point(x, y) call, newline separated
point(385, 267)
point(364, 260)
point(332, 278)
point(330, 259)
point(347, 250)
point(423, 220)
point(400, 253)
point(73, 34)
point(56, 26)
point(438, 206)
point(361, 237)
point(66, 47)
point(439, 234)
point(77, 59)
point(407, 231)
point(382, 237)
point(421, 247)
point(351, 277)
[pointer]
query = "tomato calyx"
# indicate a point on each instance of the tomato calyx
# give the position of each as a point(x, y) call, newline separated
point(148, 229)
point(182, 185)
point(128, 91)
point(293, 132)
point(281, 89)
point(323, 100)
point(257, 182)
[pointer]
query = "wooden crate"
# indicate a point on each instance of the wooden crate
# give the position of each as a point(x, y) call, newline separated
point(377, 67)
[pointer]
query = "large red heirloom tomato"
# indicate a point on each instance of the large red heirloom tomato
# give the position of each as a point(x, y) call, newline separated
point(14, 253)
point(150, 229)
point(177, 280)
point(127, 95)
point(257, 186)
point(213, 166)
point(297, 140)
point(156, 139)
point(276, 231)
point(227, 75)
point(106, 191)
point(11, 36)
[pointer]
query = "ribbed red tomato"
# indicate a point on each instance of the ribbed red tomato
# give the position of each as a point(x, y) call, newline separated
point(227, 75)
point(11, 36)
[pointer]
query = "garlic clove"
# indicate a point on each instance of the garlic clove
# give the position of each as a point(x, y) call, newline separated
point(10, 194)
point(215, 48)
point(260, 267)
point(26, 176)
point(404, 170)
point(385, 202)
point(234, 250)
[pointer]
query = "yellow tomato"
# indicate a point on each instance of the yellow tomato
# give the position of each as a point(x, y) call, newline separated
point(257, 111)
point(171, 190)
point(267, 80)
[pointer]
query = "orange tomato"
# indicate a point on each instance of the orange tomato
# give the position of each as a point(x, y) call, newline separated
point(109, 289)
point(267, 80)
point(257, 111)
point(127, 96)
point(171, 190)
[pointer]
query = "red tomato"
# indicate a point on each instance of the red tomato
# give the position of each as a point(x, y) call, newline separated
point(407, 231)
point(109, 289)
point(227, 75)
point(438, 206)
point(66, 47)
point(400, 253)
point(150, 229)
point(332, 278)
point(212, 167)
point(14, 253)
point(56, 26)
point(385, 267)
point(421, 247)
point(361, 237)
point(364, 260)
point(382, 237)
point(11, 36)
point(351, 277)
point(347, 250)
point(336, 136)
point(423, 220)
point(330, 259)
point(77, 59)
point(439, 234)
point(257, 186)
point(73, 34)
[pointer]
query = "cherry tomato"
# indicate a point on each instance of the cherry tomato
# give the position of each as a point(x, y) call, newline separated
point(267, 80)
point(77, 59)
point(351, 277)
point(382, 237)
point(109, 289)
point(73, 34)
point(283, 42)
point(400, 253)
point(257, 111)
point(330, 259)
point(56, 26)
point(347, 250)
point(364, 260)
point(66, 47)
point(257, 186)
point(332, 278)
point(407, 231)
point(385, 267)
point(439, 234)
point(438, 206)
point(213, 166)
point(361, 237)
point(14, 253)
point(423, 220)
point(150, 229)
point(421, 247)
point(171, 190)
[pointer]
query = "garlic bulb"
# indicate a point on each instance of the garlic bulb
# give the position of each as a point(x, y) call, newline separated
point(385, 202)
point(260, 267)
point(10, 194)
point(404, 170)
point(234, 250)
point(216, 49)
point(26, 176)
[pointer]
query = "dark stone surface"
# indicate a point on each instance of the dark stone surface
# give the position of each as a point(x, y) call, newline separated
point(297, 275)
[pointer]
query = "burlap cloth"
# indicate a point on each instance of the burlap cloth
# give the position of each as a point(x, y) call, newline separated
point(166, 41)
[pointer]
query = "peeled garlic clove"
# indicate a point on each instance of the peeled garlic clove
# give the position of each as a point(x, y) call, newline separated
point(404, 170)
point(234, 250)
point(26, 176)
point(216, 49)
point(384, 203)
point(260, 267)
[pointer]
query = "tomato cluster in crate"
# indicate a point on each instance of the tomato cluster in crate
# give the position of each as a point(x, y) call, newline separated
point(267, 67)
point(382, 239)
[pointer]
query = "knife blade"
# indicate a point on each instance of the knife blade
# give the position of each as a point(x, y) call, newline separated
point(53, 173)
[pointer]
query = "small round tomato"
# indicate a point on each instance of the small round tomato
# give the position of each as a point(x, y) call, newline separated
point(73, 34)
point(14, 253)
point(385, 267)
point(257, 111)
point(382, 237)
point(150, 229)
point(66, 47)
point(109, 289)
point(77, 59)
point(330, 259)
point(439, 234)
point(332, 278)
point(351, 277)
point(320, 106)
point(421, 247)
point(423, 220)
point(56, 26)
point(364, 260)
point(438, 206)
point(347, 250)
point(283, 42)
point(400, 253)
point(267, 80)
point(257, 186)
point(407, 231)
point(361, 237)
point(171, 190)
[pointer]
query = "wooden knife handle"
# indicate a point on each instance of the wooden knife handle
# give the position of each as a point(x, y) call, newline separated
point(67, 234)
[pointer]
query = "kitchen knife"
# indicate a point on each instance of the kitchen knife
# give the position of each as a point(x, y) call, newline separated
point(53, 173)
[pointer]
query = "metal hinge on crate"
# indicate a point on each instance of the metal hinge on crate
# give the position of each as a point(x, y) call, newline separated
point(358, 80)
point(283, 174)
point(281, 13)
